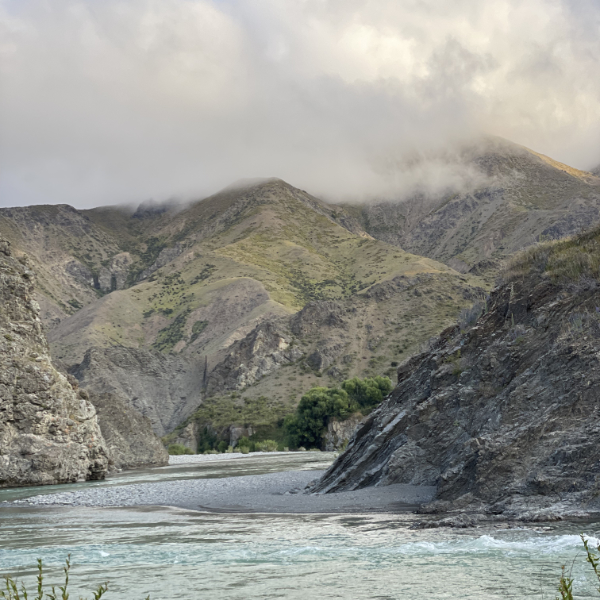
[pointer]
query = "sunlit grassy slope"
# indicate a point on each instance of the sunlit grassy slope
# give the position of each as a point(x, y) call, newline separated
point(237, 257)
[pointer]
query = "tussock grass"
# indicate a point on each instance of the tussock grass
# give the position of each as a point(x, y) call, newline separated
point(563, 261)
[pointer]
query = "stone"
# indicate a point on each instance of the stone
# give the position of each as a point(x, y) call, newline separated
point(338, 433)
point(49, 433)
point(502, 418)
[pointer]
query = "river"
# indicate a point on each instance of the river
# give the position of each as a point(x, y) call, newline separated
point(179, 554)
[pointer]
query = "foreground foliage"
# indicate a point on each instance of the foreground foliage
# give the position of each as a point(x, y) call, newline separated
point(565, 585)
point(15, 591)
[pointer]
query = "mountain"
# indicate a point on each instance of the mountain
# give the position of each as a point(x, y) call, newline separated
point(501, 416)
point(523, 197)
point(215, 287)
point(596, 171)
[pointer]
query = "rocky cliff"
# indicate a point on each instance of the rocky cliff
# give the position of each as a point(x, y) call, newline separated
point(165, 389)
point(503, 416)
point(129, 437)
point(49, 432)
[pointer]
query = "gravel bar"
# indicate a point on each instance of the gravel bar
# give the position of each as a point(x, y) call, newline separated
point(271, 493)
point(184, 459)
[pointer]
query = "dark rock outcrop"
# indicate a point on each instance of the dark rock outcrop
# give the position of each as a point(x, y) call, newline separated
point(503, 418)
point(166, 389)
point(49, 432)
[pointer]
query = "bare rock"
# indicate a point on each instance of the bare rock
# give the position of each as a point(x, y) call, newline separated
point(49, 432)
point(339, 433)
point(503, 418)
point(129, 438)
point(166, 389)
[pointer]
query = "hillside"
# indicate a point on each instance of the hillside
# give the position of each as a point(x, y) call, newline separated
point(196, 280)
point(525, 197)
point(501, 416)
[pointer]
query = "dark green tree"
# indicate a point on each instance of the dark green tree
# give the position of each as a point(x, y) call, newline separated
point(315, 409)
point(367, 392)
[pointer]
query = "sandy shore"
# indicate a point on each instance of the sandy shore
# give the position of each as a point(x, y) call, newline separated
point(271, 493)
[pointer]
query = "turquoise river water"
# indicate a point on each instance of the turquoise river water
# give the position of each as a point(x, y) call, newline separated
point(171, 553)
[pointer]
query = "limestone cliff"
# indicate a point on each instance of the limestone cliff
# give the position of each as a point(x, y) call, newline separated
point(502, 417)
point(49, 433)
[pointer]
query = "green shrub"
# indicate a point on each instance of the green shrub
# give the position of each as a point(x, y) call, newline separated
point(178, 449)
point(244, 450)
point(367, 392)
point(312, 415)
point(266, 446)
point(172, 334)
point(222, 446)
point(321, 404)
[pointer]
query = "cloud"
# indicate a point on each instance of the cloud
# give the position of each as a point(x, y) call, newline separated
point(111, 101)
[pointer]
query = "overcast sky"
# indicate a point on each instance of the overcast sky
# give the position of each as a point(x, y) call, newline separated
point(109, 101)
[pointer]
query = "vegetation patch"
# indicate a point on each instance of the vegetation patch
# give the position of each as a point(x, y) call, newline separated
point(564, 261)
point(197, 328)
point(321, 404)
point(171, 335)
point(178, 449)
point(147, 257)
point(206, 272)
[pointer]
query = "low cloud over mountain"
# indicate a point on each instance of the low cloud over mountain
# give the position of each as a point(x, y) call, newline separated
point(114, 102)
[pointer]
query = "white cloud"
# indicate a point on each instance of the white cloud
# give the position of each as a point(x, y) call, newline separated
point(112, 101)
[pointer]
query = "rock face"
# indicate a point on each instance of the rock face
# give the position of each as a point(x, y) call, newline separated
point(262, 351)
point(339, 433)
point(188, 437)
point(166, 389)
point(128, 434)
point(503, 418)
point(49, 433)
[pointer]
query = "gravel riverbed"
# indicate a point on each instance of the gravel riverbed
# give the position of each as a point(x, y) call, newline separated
point(281, 492)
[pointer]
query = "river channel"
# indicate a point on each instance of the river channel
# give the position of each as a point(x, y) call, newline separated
point(172, 553)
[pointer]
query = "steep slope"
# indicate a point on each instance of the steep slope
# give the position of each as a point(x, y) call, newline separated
point(225, 264)
point(200, 279)
point(164, 389)
point(205, 281)
point(75, 261)
point(501, 417)
point(524, 197)
point(128, 435)
point(49, 433)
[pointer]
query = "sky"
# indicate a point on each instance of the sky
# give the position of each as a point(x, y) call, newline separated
point(121, 101)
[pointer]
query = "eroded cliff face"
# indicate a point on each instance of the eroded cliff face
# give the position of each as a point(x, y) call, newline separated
point(504, 418)
point(166, 389)
point(49, 433)
point(129, 437)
